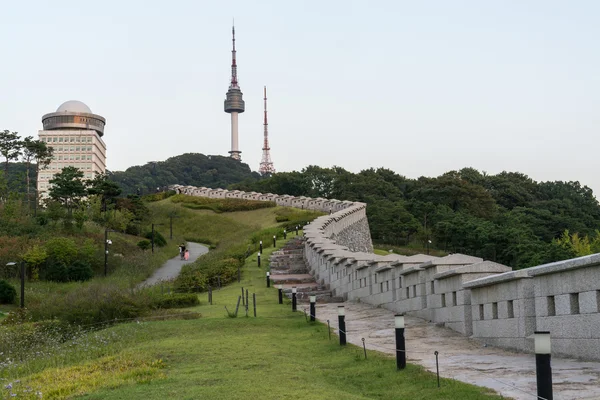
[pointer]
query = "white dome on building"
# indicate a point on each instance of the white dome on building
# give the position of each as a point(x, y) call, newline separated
point(74, 106)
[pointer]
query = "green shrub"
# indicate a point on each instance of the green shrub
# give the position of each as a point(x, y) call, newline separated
point(221, 205)
point(144, 244)
point(281, 218)
point(80, 271)
point(61, 249)
point(7, 293)
point(159, 239)
point(177, 300)
point(56, 271)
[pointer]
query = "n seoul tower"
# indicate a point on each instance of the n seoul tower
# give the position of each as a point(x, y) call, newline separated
point(234, 103)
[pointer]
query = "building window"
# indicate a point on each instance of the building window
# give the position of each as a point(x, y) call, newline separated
point(77, 148)
point(454, 299)
point(415, 291)
point(432, 288)
point(72, 140)
point(375, 278)
point(407, 292)
point(551, 306)
point(481, 314)
point(387, 285)
point(574, 303)
point(89, 139)
point(511, 309)
point(54, 139)
point(381, 287)
point(494, 310)
point(60, 139)
point(443, 299)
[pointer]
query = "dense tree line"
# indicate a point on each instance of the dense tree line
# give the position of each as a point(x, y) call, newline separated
point(187, 169)
point(508, 217)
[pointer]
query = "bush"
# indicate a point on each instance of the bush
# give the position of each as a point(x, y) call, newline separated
point(281, 218)
point(80, 271)
point(144, 244)
point(56, 272)
point(177, 300)
point(159, 239)
point(62, 250)
point(7, 293)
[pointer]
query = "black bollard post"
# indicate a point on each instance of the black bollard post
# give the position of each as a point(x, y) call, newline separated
point(437, 366)
point(259, 260)
point(284, 234)
point(296, 230)
point(342, 325)
point(294, 298)
point(268, 279)
point(543, 369)
point(274, 241)
point(280, 294)
point(400, 343)
point(313, 312)
point(260, 247)
point(22, 284)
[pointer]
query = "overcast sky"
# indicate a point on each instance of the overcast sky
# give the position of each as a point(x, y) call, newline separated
point(420, 87)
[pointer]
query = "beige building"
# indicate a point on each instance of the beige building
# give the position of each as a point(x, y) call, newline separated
point(75, 134)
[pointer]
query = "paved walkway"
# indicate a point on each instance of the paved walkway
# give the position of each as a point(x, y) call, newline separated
point(510, 374)
point(171, 268)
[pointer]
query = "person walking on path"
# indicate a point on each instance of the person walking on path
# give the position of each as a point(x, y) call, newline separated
point(187, 255)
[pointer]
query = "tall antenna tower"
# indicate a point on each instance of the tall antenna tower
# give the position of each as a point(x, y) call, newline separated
point(266, 165)
point(234, 103)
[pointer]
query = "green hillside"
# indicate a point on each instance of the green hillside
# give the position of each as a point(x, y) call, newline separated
point(187, 169)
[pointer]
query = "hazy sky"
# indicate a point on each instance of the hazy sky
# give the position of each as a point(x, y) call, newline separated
point(420, 87)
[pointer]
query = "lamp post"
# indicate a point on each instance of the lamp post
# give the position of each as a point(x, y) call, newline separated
point(106, 244)
point(268, 279)
point(542, 364)
point(400, 343)
point(294, 298)
point(10, 264)
point(280, 293)
point(153, 225)
point(428, 243)
point(274, 241)
point(260, 247)
point(342, 325)
point(171, 225)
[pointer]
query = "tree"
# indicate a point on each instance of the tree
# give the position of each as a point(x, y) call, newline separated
point(10, 147)
point(103, 187)
point(42, 154)
point(68, 187)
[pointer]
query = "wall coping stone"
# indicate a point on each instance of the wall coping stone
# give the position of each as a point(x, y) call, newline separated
point(411, 270)
point(482, 267)
point(492, 280)
point(566, 265)
point(452, 259)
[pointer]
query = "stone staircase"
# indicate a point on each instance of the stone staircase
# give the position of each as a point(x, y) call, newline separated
point(288, 269)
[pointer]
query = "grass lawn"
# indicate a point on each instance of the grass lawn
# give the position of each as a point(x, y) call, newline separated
point(276, 355)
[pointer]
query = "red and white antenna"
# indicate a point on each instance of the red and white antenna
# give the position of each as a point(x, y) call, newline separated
point(266, 165)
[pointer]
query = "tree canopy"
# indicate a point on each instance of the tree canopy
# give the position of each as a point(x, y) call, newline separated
point(508, 217)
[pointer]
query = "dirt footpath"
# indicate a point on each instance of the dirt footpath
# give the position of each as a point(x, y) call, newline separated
point(510, 374)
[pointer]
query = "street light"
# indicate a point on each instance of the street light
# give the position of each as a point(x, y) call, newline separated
point(153, 225)
point(10, 264)
point(106, 244)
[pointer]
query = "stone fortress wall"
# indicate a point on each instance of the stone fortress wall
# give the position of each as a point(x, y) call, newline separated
point(480, 299)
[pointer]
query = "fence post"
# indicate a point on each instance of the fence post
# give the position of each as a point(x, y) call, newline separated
point(400, 343)
point(237, 307)
point(210, 295)
point(242, 295)
point(313, 311)
point(342, 325)
point(247, 304)
point(294, 298)
point(254, 303)
point(280, 290)
point(268, 279)
point(543, 369)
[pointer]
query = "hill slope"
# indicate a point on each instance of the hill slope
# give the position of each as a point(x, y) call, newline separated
point(187, 169)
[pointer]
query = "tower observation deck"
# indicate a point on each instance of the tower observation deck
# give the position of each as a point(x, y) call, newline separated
point(234, 103)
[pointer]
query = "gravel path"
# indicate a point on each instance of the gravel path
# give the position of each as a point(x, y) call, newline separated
point(171, 268)
point(510, 374)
